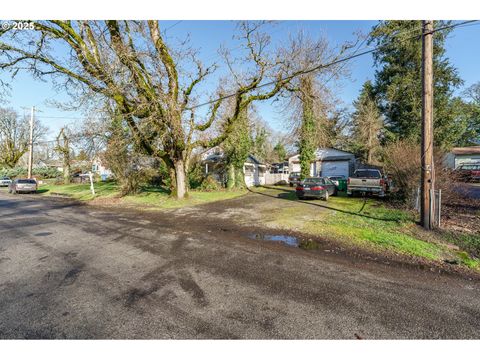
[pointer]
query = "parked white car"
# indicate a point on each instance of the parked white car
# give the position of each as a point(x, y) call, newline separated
point(5, 181)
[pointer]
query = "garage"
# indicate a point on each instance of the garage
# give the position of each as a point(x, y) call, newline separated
point(328, 162)
point(335, 168)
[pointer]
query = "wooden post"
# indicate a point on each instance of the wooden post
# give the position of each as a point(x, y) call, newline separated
point(92, 189)
point(427, 176)
point(30, 144)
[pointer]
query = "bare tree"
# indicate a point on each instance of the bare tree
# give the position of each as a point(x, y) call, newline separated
point(309, 100)
point(367, 122)
point(130, 64)
point(14, 136)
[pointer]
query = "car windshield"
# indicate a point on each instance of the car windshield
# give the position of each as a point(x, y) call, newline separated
point(369, 174)
point(294, 174)
point(26, 181)
point(5, 178)
point(336, 177)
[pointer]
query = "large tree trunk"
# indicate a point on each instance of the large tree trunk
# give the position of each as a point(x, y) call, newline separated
point(66, 168)
point(66, 174)
point(180, 179)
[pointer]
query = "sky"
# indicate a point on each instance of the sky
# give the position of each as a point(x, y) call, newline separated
point(207, 36)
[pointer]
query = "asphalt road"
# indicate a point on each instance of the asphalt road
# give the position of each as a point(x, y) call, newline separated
point(71, 271)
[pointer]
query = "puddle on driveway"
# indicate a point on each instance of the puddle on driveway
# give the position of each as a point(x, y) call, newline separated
point(289, 240)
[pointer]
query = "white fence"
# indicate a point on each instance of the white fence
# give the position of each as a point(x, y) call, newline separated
point(271, 179)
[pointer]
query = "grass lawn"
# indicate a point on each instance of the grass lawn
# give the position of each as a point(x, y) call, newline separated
point(371, 225)
point(150, 197)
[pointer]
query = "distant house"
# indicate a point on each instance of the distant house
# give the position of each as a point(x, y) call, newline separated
point(254, 171)
point(214, 164)
point(463, 155)
point(328, 162)
point(99, 168)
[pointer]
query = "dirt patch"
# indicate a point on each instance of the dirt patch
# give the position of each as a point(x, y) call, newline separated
point(462, 215)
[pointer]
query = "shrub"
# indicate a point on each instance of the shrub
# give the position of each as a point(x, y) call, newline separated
point(195, 175)
point(39, 173)
point(401, 161)
point(210, 184)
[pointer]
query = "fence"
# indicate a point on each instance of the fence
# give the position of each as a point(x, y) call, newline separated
point(272, 179)
point(435, 205)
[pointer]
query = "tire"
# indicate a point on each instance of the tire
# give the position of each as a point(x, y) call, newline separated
point(326, 196)
point(291, 185)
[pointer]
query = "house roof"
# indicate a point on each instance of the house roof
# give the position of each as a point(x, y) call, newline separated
point(326, 154)
point(254, 160)
point(466, 150)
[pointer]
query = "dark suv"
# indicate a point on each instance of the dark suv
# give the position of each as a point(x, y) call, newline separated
point(294, 178)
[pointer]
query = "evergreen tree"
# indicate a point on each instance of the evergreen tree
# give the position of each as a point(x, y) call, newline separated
point(280, 152)
point(398, 82)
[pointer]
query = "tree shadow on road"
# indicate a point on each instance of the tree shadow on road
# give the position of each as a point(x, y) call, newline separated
point(290, 195)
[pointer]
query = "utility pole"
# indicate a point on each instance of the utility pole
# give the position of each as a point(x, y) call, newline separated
point(427, 177)
point(30, 155)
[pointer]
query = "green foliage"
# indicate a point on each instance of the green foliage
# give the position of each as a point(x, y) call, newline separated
point(398, 82)
point(280, 152)
point(195, 176)
point(148, 197)
point(307, 139)
point(209, 184)
point(470, 111)
point(237, 147)
point(40, 172)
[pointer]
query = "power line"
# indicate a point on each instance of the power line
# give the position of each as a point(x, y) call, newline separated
point(322, 66)
point(318, 67)
point(172, 26)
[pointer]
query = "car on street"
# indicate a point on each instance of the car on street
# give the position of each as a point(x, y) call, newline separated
point(23, 186)
point(468, 172)
point(294, 178)
point(5, 181)
point(367, 181)
point(316, 187)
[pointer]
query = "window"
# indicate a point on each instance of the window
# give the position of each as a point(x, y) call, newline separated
point(369, 174)
point(26, 181)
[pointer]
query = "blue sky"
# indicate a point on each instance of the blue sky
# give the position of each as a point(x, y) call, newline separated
point(207, 36)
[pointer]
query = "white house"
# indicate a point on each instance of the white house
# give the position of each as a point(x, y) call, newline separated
point(214, 165)
point(463, 155)
point(98, 167)
point(254, 172)
point(328, 162)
